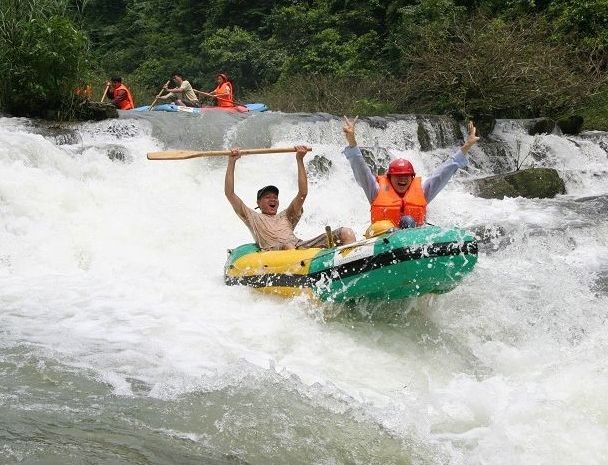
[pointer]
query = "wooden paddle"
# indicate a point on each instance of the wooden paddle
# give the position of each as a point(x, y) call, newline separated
point(207, 94)
point(185, 154)
point(159, 94)
point(105, 92)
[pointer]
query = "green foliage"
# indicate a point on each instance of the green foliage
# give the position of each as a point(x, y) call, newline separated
point(355, 56)
point(594, 110)
point(318, 93)
point(42, 57)
point(496, 67)
point(249, 60)
point(585, 24)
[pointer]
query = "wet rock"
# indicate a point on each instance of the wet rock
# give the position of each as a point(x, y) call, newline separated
point(538, 151)
point(530, 183)
point(571, 125)
point(437, 131)
point(118, 153)
point(541, 126)
point(95, 111)
point(496, 157)
point(377, 158)
point(319, 166)
point(424, 138)
point(59, 135)
point(376, 122)
point(484, 123)
point(119, 129)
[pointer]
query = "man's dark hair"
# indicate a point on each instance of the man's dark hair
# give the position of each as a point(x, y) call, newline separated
point(116, 79)
point(178, 74)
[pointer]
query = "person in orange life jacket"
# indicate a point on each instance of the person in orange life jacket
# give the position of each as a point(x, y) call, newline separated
point(85, 91)
point(183, 94)
point(271, 229)
point(224, 95)
point(401, 196)
point(120, 94)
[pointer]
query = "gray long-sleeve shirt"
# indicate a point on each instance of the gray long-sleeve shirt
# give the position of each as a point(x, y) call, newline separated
point(431, 185)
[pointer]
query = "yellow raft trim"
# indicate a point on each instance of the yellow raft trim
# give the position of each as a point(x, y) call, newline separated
point(274, 261)
point(285, 291)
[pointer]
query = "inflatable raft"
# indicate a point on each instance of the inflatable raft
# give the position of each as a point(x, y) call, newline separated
point(399, 264)
point(172, 108)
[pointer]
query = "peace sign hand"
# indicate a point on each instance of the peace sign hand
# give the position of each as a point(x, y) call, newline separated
point(349, 130)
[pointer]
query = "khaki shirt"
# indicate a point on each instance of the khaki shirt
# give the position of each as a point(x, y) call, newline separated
point(186, 92)
point(272, 231)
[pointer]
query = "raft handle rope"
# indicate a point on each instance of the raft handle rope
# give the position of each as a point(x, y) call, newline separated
point(330, 237)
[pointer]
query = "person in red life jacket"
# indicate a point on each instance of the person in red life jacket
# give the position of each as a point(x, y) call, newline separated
point(400, 196)
point(120, 94)
point(224, 95)
point(272, 229)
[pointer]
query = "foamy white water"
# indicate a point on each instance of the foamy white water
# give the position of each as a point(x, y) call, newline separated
point(111, 280)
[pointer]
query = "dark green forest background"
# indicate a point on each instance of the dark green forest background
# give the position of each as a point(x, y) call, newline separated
point(501, 58)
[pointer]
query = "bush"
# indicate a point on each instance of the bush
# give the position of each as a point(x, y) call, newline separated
point(491, 66)
point(42, 58)
point(337, 95)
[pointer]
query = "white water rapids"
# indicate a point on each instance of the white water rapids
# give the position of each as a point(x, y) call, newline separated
point(120, 342)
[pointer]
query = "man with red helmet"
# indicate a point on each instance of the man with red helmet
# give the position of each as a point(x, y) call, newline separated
point(400, 196)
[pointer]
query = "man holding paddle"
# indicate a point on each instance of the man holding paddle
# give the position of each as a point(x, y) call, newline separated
point(183, 94)
point(271, 229)
point(119, 94)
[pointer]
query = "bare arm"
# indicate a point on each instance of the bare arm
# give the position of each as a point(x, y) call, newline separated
point(297, 203)
point(472, 138)
point(236, 202)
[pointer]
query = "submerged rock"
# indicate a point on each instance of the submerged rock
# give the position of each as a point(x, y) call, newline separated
point(319, 166)
point(531, 183)
point(118, 153)
point(377, 158)
point(58, 134)
point(571, 125)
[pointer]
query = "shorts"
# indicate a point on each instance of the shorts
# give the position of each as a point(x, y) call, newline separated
point(320, 240)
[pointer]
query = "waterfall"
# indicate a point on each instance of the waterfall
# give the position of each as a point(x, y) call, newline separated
point(115, 319)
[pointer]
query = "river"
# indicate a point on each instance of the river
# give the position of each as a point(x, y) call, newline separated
point(120, 343)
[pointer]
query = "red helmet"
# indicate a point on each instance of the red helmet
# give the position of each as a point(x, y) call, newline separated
point(401, 167)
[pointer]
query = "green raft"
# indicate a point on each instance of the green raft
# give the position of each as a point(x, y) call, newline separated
point(399, 264)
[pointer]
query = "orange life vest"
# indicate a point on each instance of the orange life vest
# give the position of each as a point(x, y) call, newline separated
point(126, 104)
point(86, 91)
point(388, 205)
point(224, 100)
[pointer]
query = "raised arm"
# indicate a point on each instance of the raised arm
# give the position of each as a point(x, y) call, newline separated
point(472, 138)
point(363, 175)
point(440, 177)
point(295, 207)
point(236, 202)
